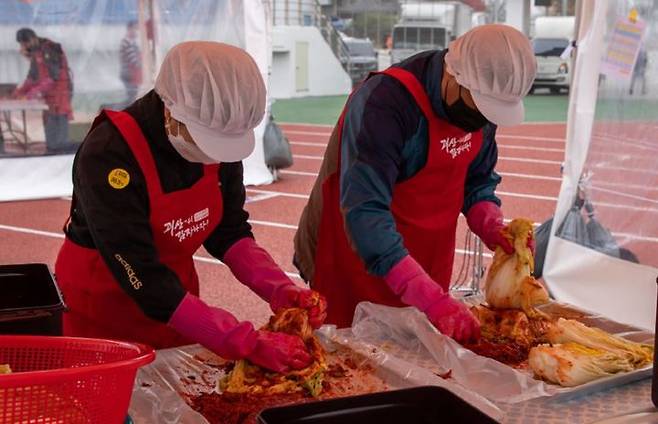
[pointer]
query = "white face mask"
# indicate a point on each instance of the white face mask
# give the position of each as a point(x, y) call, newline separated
point(189, 151)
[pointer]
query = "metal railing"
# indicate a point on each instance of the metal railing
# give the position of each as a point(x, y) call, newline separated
point(309, 13)
point(472, 270)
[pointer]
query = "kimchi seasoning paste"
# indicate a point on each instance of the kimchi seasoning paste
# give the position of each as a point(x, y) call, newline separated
point(508, 353)
point(230, 408)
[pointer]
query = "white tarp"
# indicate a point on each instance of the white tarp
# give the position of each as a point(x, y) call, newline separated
point(90, 32)
point(604, 255)
point(258, 42)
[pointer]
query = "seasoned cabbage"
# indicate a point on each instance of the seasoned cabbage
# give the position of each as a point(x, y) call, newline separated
point(580, 354)
point(568, 330)
point(250, 378)
point(509, 282)
point(572, 364)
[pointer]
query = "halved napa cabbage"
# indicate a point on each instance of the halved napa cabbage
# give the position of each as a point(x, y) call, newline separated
point(568, 330)
point(572, 364)
point(579, 354)
point(509, 281)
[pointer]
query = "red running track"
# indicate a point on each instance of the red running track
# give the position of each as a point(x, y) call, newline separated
point(530, 157)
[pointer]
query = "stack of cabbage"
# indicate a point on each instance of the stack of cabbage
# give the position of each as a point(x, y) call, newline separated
point(575, 354)
point(578, 354)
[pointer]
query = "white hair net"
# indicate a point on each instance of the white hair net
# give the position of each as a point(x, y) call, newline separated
point(497, 64)
point(217, 91)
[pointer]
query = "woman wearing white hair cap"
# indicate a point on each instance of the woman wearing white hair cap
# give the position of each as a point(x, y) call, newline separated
point(413, 148)
point(154, 183)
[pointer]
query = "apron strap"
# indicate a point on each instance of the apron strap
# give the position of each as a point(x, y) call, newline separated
point(139, 146)
point(411, 83)
point(211, 170)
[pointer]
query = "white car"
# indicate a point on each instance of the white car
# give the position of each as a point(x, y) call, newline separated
point(553, 72)
point(552, 35)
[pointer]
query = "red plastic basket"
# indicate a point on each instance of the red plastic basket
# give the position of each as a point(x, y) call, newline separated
point(67, 379)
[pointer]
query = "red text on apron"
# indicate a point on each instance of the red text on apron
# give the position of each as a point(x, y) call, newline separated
point(425, 207)
point(180, 222)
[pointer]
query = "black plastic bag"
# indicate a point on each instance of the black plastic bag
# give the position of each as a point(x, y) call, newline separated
point(278, 154)
point(599, 237)
point(574, 227)
point(542, 235)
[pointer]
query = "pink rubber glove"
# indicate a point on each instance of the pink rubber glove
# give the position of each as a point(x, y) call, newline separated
point(415, 287)
point(219, 331)
point(256, 269)
point(292, 296)
point(485, 219)
point(280, 352)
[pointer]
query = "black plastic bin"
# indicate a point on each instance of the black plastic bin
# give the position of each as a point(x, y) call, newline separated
point(419, 405)
point(30, 301)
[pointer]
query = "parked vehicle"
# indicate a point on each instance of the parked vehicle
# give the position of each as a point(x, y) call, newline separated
point(428, 25)
point(362, 58)
point(553, 34)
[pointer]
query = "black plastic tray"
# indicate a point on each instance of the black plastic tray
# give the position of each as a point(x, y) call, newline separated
point(418, 405)
point(30, 301)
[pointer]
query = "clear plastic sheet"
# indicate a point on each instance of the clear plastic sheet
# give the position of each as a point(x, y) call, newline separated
point(405, 350)
point(409, 328)
point(157, 392)
point(615, 205)
point(407, 334)
point(402, 373)
point(90, 33)
point(602, 243)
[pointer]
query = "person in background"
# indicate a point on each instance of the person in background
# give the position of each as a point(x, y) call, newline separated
point(49, 78)
point(131, 62)
point(388, 42)
point(154, 183)
point(414, 147)
point(639, 72)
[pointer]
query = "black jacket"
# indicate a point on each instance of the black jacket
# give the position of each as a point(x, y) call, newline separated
point(117, 221)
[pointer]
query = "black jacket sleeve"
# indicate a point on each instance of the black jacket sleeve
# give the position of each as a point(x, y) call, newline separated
point(118, 222)
point(234, 225)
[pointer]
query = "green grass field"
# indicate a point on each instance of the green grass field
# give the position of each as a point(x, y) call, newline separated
point(540, 107)
point(325, 110)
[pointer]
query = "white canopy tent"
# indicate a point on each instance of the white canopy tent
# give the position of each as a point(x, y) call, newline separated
point(90, 33)
point(609, 168)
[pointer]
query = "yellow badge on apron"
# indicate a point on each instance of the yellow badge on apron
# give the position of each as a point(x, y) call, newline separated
point(118, 178)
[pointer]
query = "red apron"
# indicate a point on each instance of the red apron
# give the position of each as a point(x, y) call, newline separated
point(180, 222)
point(425, 207)
point(58, 97)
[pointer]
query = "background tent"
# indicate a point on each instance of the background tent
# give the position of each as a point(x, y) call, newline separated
point(90, 32)
point(612, 142)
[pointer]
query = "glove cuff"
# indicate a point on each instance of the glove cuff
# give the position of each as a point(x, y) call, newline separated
point(412, 284)
point(484, 216)
point(214, 328)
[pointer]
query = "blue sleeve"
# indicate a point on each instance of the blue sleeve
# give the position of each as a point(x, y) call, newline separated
point(482, 179)
point(379, 118)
